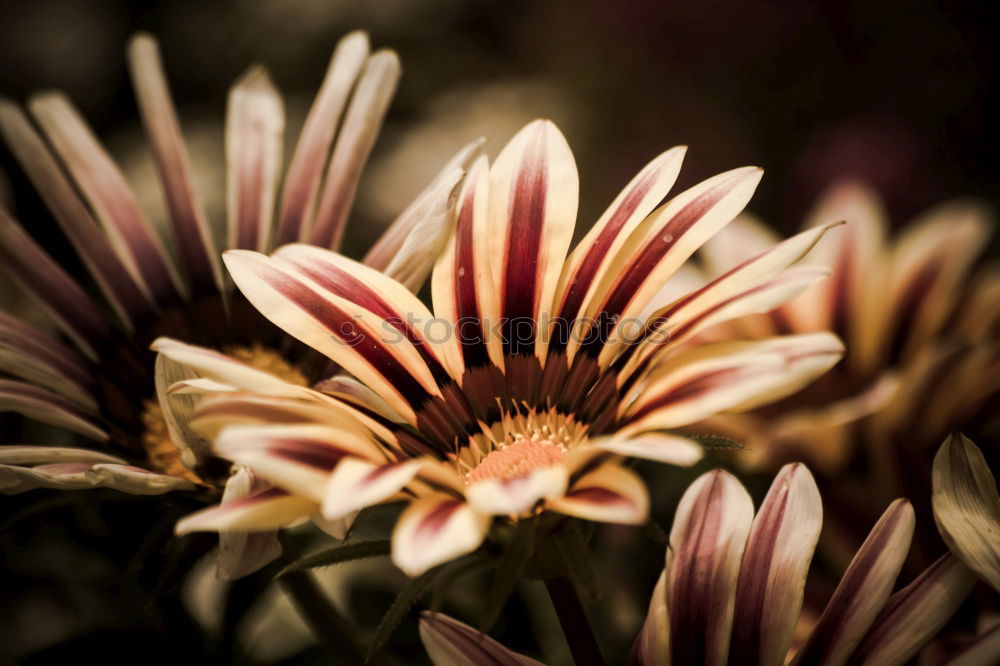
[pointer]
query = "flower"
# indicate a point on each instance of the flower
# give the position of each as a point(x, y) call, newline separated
point(100, 383)
point(733, 586)
point(921, 333)
point(733, 583)
point(533, 378)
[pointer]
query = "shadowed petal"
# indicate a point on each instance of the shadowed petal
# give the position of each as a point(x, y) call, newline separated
point(451, 643)
point(34, 454)
point(916, 613)
point(367, 109)
point(264, 511)
point(47, 407)
point(652, 645)
point(313, 148)
point(985, 649)
point(863, 590)
point(86, 475)
point(967, 507)
point(242, 553)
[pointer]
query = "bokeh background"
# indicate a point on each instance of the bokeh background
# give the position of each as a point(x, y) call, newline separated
point(898, 94)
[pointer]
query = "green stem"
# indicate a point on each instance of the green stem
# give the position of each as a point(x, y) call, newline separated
point(573, 619)
point(323, 618)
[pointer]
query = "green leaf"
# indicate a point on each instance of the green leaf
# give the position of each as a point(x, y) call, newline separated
point(398, 610)
point(343, 553)
point(509, 573)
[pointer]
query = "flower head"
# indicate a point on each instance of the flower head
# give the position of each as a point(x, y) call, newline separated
point(536, 373)
point(100, 380)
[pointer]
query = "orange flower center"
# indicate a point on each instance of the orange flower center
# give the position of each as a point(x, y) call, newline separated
point(516, 459)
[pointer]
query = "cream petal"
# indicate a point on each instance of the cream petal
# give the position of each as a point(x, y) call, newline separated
point(519, 494)
point(264, 511)
point(242, 553)
point(434, 529)
point(652, 645)
point(357, 483)
point(609, 494)
point(658, 446)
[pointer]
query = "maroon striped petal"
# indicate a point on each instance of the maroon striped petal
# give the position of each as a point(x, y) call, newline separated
point(297, 458)
point(367, 109)
point(255, 121)
point(356, 484)
point(352, 336)
point(242, 553)
point(985, 649)
point(589, 261)
point(34, 454)
point(102, 262)
point(707, 541)
point(775, 564)
point(451, 643)
point(301, 188)
point(916, 613)
point(263, 511)
point(863, 590)
point(609, 494)
point(434, 529)
point(463, 283)
point(533, 193)
point(29, 353)
point(43, 405)
point(58, 294)
point(188, 222)
point(655, 250)
point(102, 184)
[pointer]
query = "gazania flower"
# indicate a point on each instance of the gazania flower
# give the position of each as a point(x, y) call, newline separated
point(99, 381)
point(733, 587)
point(921, 334)
point(535, 375)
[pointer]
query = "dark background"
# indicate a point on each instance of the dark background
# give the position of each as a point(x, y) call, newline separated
point(896, 93)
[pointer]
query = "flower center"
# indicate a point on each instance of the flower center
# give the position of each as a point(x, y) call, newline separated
point(163, 452)
point(516, 459)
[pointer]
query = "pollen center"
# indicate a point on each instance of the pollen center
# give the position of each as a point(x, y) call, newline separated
point(516, 459)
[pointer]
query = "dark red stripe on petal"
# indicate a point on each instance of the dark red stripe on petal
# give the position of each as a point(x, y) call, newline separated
point(434, 521)
point(519, 288)
point(468, 313)
point(307, 452)
point(344, 327)
point(583, 277)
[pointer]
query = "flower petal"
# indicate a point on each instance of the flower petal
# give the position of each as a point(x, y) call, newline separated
point(129, 231)
point(533, 194)
point(242, 553)
point(707, 541)
point(301, 187)
point(29, 353)
point(102, 262)
point(255, 122)
point(356, 484)
point(609, 494)
point(47, 407)
point(369, 103)
point(264, 511)
point(652, 645)
point(188, 222)
point(519, 494)
point(863, 590)
point(916, 613)
point(775, 564)
point(658, 446)
point(967, 506)
point(985, 649)
point(451, 643)
point(32, 454)
point(433, 530)
point(87, 475)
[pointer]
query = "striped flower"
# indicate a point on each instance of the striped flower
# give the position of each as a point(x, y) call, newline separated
point(921, 330)
point(99, 380)
point(733, 587)
point(535, 375)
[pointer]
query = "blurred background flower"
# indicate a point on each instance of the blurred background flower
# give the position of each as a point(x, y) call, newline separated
point(813, 92)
